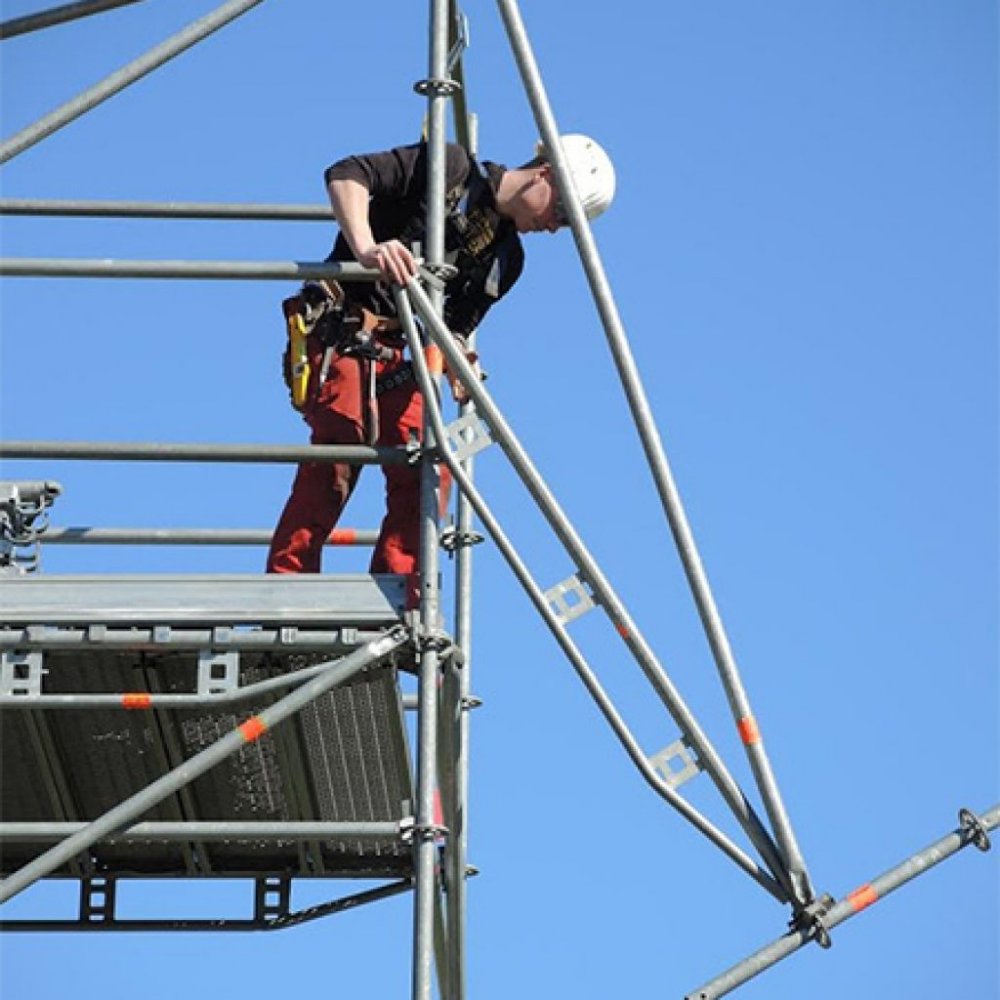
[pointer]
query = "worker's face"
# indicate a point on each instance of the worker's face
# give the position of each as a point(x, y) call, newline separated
point(538, 208)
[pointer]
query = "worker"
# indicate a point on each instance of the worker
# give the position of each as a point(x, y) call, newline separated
point(359, 388)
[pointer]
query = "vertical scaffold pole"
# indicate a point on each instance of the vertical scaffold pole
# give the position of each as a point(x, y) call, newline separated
point(426, 896)
point(656, 457)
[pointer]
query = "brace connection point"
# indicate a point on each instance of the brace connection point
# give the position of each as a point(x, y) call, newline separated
point(452, 539)
point(437, 275)
point(428, 831)
point(437, 87)
point(809, 920)
point(972, 827)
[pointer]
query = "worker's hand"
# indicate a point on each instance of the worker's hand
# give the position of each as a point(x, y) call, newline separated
point(391, 258)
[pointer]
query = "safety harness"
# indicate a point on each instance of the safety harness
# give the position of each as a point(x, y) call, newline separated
point(321, 309)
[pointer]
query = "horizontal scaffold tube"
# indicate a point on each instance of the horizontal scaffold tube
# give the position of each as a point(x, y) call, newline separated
point(974, 832)
point(223, 211)
point(211, 831)
point(189, 536)
point(239, 270)
point(145, 701)
point(157, 451)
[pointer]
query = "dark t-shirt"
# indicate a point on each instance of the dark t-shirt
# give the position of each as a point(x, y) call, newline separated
point(481, 243)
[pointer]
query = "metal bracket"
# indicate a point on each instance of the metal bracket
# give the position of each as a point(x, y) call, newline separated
point(429, 831)
point(438, 275)
point(272, 897)
point(452, 539)
point(461, 39)
point(437, 87)
point(21, 673)
point(809, 919)
point(974, 830)
point(676, 763)
point(569, 599)
point(435, 639)
point(218, 673)
point(468, 435)
point(414, 449)
point(97, 900)
point(23, 519)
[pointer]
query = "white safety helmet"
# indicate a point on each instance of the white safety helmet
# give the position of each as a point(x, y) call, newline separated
point(591, 169)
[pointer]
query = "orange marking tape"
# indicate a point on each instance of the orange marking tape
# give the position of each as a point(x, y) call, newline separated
point(343, 536)
point(862, 898)
point(137, 700)
point(434, 358)
point(622, 631)
point(253, 728)
point(748, 730)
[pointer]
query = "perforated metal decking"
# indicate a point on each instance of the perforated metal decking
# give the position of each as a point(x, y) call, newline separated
point(129, 679)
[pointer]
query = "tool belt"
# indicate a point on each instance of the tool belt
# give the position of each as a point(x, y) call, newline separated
point(320, 315)
point(323, 325)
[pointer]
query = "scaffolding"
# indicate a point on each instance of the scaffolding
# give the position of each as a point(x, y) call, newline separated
point(255, 727)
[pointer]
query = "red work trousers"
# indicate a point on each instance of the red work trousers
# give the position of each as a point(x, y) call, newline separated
point(320, 492)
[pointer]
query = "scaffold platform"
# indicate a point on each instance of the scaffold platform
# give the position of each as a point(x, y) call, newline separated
point(142, 674)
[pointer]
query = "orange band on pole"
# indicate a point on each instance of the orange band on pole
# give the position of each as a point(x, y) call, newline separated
point(862, 898)
point(343, 536)
point(622, 631)
point(253, 728)
point(748, 730)
point(137, 700)
point(435, 361)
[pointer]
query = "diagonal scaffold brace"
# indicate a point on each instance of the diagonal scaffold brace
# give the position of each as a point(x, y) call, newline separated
point(626, 628)
point(747, 726)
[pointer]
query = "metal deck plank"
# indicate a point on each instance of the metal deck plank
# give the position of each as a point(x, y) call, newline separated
point(357, 599)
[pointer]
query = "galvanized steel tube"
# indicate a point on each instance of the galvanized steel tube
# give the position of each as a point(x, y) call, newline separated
point(220, 211)
point(120, 79)
point(569, 647)
point(849, 906)
point(593, 575)
point(157, 451)
point(189, 536)
point(213, 831)
point(209, 270)
point(656, 456)
point(58, 15)
point(426, 895)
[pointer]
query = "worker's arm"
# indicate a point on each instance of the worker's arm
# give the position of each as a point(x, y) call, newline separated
point(350, 199)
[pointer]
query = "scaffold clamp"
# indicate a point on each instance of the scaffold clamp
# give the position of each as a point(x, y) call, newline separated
point(974, 830)
point(809, 920)
point(452, 539)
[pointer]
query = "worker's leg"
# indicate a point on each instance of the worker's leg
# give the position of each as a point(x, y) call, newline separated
point(320, 492)
point(397, 549)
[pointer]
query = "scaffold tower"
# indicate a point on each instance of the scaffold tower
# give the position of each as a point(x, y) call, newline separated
point(280, 729)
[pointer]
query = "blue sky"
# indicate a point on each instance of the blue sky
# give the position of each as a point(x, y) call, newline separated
point(804, 253)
